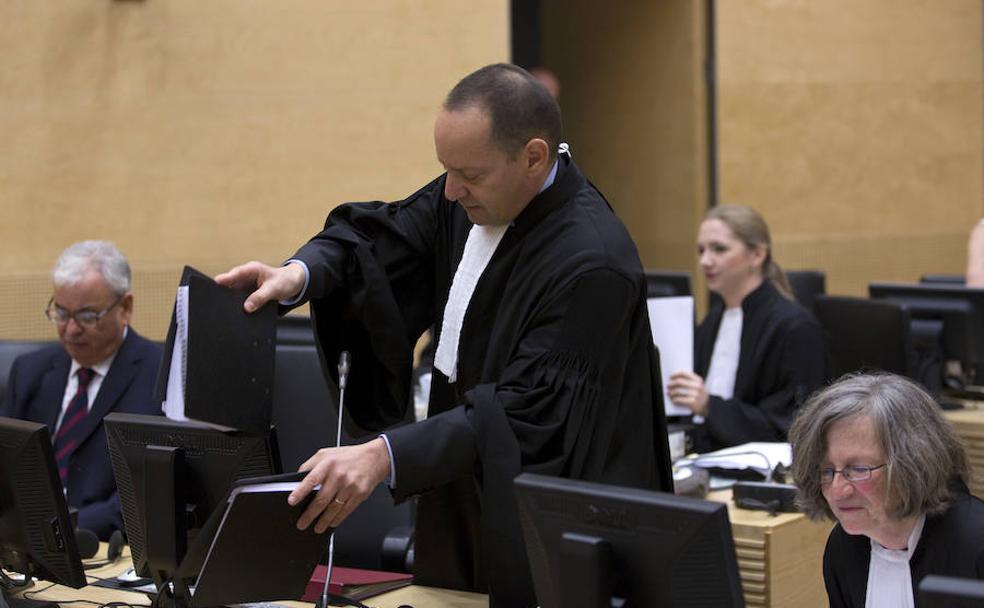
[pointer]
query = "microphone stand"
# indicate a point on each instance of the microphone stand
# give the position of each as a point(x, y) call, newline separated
point(344, 363)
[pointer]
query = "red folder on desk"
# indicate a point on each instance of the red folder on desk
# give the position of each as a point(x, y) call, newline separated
point(354, 583)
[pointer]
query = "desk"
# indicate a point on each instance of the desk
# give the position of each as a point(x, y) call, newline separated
point(780, 558)
point(419, 597)
point(969, 425)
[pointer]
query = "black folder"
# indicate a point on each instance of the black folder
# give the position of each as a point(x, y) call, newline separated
point(229, 356)
point(256, 553)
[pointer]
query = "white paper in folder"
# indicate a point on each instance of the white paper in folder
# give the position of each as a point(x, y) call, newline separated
point(672, 322)
point(174, 406)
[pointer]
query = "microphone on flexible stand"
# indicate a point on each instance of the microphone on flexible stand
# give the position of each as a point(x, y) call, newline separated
point(344, 363)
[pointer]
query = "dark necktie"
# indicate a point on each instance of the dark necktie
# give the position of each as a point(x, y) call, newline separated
point(66, 439)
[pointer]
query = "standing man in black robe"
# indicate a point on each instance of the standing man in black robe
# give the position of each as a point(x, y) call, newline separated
point(544, 362)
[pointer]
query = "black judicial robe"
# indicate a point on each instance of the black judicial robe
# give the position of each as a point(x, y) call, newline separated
point(557, 373)
point(951, 544)
point(782, 361)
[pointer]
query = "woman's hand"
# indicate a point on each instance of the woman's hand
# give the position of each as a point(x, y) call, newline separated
point(687, 389)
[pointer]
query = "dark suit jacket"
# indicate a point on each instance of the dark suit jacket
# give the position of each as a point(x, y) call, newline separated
point(35, 392)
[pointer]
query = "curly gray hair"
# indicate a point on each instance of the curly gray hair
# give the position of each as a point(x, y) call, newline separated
point(921, 450)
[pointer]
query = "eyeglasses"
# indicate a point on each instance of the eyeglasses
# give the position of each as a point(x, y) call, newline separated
point(852, 473)
point(86, 318)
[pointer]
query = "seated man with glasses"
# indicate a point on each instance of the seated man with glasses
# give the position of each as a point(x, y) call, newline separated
point(874, 453)
point(101, 366)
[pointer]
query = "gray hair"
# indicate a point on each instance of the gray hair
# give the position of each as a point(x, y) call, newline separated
point(922, 452)
point(102, 256)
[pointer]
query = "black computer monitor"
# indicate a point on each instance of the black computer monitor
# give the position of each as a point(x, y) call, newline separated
point(955, 312)
point(36, 534)
point(598, 545)
point(937, 591)
point(667, 283)
point(171, 477)
point(950, 279)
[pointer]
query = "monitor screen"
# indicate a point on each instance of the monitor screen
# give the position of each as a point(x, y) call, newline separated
point(596, 545)
point(667, 283)
point(951, 592)
point(36, 533)
point(957, 312)
point(212, 458)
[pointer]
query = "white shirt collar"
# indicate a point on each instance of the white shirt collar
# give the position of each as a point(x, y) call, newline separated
point(550, 176)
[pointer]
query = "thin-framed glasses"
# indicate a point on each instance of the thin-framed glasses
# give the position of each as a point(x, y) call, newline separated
point(85, 317)
point(851, 473)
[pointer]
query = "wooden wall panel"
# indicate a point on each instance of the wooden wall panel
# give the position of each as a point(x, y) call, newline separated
point(634, 113)
point(212, 132)
point(855, 127)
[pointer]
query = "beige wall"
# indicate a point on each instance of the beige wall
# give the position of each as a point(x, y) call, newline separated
point(209, 133)
point(855, 127)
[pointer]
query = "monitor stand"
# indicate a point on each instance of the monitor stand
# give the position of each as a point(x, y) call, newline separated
point(166, 540)
point(587, 572)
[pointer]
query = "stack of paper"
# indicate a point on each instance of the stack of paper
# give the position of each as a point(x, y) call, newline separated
point(759, 456)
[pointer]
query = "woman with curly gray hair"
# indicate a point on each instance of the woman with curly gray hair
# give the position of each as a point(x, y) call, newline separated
point(874, 453)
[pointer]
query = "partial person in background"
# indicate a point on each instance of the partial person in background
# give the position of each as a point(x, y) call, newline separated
point(548, 79)
point(874, 453)
point(758, 354)
point(102, 365)
point(975, 256)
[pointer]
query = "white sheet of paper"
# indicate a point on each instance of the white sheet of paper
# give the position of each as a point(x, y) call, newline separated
point(672, 322)
point(173, 406)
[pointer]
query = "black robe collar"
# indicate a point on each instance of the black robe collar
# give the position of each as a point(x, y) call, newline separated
point(759, 296)
point(567, 182)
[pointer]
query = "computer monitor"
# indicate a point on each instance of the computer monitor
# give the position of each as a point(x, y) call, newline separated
point(937, 591)
point(667, 283)
point(171, 476)
point(37, 538)
point(951, 279)
point(595, 545)
point(955, 312)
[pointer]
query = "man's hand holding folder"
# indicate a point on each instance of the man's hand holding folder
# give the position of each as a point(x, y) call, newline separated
point(347, 475)
point(270, 284)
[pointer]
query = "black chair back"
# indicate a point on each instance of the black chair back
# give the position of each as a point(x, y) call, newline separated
point(807, 285)
point(10, 350)
point(865, 335)
point(295, 329)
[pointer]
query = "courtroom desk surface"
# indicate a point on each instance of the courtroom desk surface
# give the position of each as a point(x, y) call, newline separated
point(780, 557)
point(416, 596)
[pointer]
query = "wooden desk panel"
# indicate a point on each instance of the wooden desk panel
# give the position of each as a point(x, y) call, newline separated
point(969, 425)
point(780, 558)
